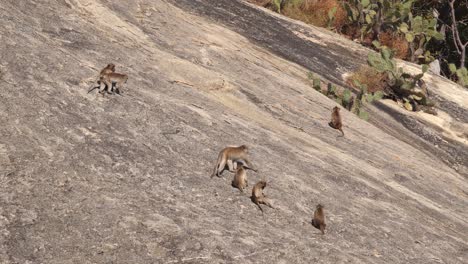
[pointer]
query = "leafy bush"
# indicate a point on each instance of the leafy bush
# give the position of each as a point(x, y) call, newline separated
point(461, 74)
point(416, 30)
point(402, 86)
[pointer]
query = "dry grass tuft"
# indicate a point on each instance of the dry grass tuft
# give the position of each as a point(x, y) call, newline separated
point(395, 42)
point(315, 12)
point(367, 75)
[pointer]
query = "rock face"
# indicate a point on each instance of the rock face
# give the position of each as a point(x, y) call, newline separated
point(87, 178)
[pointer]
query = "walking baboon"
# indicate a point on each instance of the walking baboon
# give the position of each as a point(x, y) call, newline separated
point(229, 155)
point(111, 78)
point(108, 69)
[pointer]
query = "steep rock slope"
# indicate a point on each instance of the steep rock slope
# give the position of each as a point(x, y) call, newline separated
point(125, 179)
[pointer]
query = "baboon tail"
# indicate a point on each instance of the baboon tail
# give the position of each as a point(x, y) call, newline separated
point(214, 170)
point(256, 202)
point(92, 88)
point(342, 132)
point(269, 205)
point(250, 168)
point(260, 207)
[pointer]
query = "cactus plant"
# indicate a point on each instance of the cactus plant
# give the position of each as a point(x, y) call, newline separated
point(316, 84)
point(418, 31)
point(402, 85)
point(277, 5)
point(362, 98)
point(315, 81)
point(331, 17)
point(331, 89)
point(372, 16)
point(462, 76)
point(363, 114)
point(346, 98)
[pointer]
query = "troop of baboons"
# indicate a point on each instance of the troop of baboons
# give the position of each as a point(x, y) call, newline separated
point(235, 158)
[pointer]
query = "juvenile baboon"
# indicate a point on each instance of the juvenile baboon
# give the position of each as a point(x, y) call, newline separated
point(108, 69)
point(336, 120)
point(258, 197)
point(319, 219)
point(240, 179)
point(229, 155)
point(111, 78)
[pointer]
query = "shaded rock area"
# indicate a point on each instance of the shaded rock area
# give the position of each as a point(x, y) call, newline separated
point(87, 178)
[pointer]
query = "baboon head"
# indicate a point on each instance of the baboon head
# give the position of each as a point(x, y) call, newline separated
point(111, 66)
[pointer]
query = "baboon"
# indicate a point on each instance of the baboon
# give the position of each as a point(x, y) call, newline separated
point(108, 69)
point(111, 78)
point(319, 219)
point(229, 155)
point(336, 120)
point(240, 179)
point(258, 197)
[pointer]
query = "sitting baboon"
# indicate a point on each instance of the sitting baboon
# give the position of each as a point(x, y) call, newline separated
point(258, 197)
point(319, 219)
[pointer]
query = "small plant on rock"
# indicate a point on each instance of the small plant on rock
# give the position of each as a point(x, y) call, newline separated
point(363, 97)
point(461, 74)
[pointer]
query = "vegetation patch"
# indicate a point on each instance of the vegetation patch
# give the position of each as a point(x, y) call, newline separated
point(350, 100)
point(381, 79)
point(419, 31)
point(366, 75)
